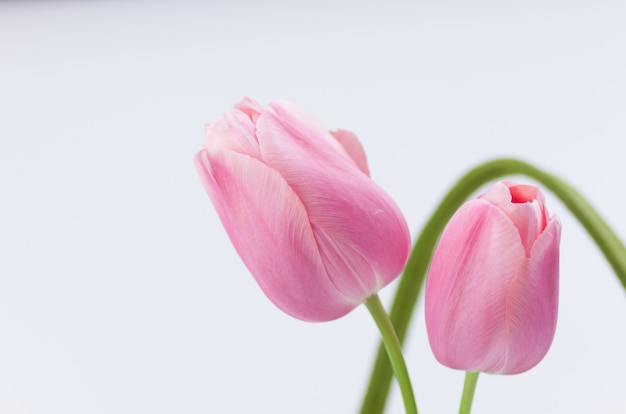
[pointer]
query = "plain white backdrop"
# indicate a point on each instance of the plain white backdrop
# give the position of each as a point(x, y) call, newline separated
point(119, 289)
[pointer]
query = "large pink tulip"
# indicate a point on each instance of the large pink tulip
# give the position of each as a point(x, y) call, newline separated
point(318, 235)
point(492, 288)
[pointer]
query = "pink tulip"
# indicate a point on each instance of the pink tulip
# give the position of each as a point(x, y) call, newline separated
point(492, 288)
point(318, 235)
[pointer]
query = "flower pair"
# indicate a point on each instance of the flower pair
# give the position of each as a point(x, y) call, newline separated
point(320, 237)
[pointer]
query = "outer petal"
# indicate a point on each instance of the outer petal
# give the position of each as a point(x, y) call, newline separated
point(533, 304)
point(268, 226)
point(467, 288)
point(361, 234)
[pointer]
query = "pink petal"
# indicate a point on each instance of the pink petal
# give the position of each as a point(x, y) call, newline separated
point(269, 227)
point(528, 216)
point(234, 130)
point(250, 107)
point(353, 148)
point(345, 207)
point(533, 304)
point(467, 288)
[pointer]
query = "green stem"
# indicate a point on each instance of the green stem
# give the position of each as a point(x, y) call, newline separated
point(468, 392)
point(394, 350)
point(414, 273)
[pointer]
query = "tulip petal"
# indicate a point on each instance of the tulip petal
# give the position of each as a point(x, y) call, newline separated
point(353, 148)
point(250, 107)
point(523, 209)
point(356, 224)
point(467, 288)
point(533, 303)
point(235, 130)
point(289, 120)
point(269, 227)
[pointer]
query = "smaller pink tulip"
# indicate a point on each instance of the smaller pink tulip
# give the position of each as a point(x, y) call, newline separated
point(318, 235)
point(492, 288)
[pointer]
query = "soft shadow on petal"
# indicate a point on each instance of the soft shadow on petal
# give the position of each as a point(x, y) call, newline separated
point(342, 260)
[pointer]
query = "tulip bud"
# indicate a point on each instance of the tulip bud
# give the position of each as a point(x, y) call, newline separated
point(492, 288)
point(318, 235)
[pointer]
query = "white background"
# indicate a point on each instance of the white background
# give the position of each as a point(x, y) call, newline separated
point(119, 289)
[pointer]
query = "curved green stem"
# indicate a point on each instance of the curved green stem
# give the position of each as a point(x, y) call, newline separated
point(414, 273)
point(471, 378)
point(394, 350)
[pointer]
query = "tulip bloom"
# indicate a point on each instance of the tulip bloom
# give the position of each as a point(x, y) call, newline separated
point(492, 288)
point(318, 235)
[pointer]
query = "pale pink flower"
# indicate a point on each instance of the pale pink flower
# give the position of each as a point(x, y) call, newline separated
point(492, 287)
point(318, 235)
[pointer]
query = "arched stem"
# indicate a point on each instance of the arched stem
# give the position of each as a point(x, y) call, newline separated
point(414, 273)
